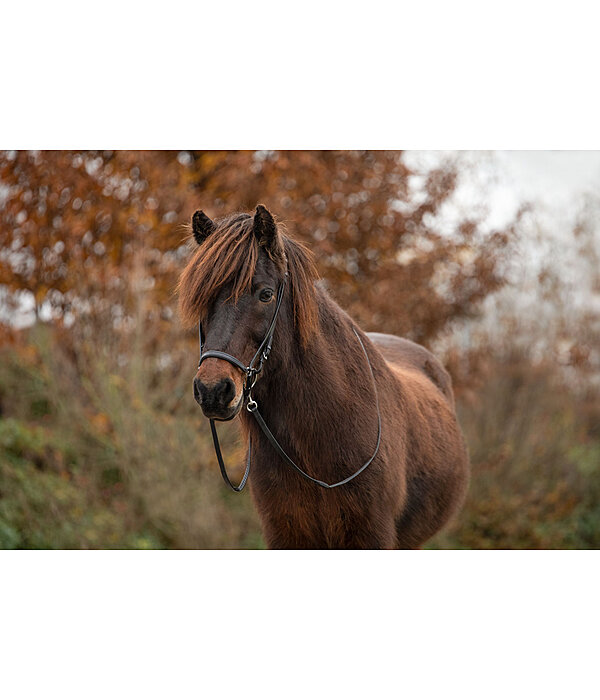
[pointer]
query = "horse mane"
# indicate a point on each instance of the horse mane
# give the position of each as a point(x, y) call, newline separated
point(230, 255)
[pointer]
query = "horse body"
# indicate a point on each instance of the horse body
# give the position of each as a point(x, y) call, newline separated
point(317, 396)
point(320, 403)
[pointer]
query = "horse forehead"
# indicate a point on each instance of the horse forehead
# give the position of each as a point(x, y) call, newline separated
point(227, 319)
point(225, 311)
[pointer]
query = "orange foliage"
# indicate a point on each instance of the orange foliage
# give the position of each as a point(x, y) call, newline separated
point(374, 236)
point(89, 231)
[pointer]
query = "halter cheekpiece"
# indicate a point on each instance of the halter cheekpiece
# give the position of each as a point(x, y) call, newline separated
point(251, 374)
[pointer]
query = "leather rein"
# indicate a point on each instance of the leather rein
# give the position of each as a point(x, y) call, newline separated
point(251, 373)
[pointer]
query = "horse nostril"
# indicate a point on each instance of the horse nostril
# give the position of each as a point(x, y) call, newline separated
point(225, 391)
point(197, 393)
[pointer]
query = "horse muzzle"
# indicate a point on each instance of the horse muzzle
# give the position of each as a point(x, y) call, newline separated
point(218, 400)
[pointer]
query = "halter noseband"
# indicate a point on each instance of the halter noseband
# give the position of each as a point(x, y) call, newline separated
point(251, 373)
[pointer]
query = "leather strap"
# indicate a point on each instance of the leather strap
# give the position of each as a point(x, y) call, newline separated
point(219, 354)
point(215, 437)
point(252, 407)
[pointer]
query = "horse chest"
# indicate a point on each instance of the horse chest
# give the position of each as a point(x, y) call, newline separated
point(298, 515)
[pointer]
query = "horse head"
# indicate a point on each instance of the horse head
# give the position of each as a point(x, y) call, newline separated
point(239, 267)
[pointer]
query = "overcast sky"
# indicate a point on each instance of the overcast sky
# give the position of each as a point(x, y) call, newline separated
point(501, 180)
point(496, 183)
point(554, 179)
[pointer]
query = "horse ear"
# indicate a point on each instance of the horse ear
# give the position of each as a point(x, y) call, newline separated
point(202, 226)
point(265, 230)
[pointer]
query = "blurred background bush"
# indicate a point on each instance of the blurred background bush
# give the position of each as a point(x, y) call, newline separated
point(100, 442)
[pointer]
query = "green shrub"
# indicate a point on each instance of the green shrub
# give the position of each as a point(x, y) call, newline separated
point(535, 471)
point(97, 455)
point(104, 464)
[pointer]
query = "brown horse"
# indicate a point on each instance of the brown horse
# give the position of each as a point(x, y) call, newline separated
point(320, 393)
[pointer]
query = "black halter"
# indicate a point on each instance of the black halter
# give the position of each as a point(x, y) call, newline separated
point(251, 373)
point(260, 356)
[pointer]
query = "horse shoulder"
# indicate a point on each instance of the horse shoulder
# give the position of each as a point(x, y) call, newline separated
point(401, 353)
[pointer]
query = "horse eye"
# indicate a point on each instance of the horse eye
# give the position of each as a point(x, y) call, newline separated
point(265, 295)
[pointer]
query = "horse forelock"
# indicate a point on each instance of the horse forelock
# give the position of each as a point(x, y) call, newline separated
point(229, 256)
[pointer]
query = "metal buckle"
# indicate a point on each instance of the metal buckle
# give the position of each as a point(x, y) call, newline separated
point(251, 377)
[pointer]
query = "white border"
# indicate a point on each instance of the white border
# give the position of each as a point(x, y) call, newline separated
point(297, 625)
point(267, 74)
point(434, 75)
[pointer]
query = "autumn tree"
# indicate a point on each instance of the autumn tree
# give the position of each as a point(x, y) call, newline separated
point(74, 226)
point(375, 235)
point(86, 231)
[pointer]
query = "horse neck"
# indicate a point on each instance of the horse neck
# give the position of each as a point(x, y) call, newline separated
point(313, 394)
